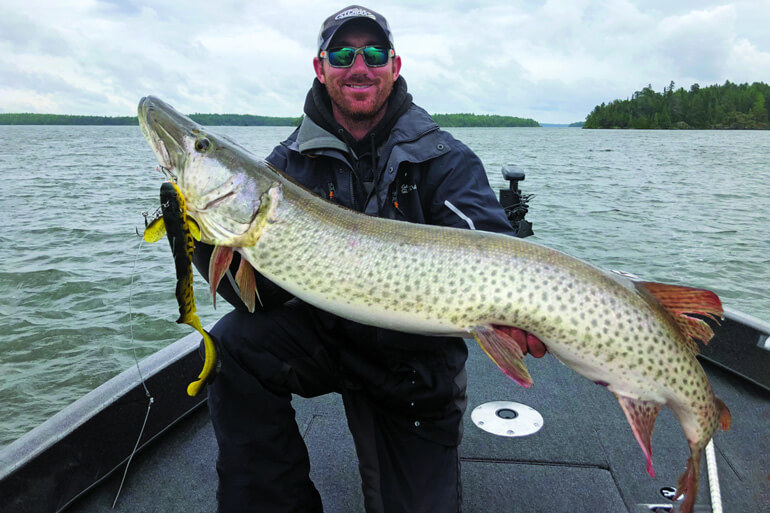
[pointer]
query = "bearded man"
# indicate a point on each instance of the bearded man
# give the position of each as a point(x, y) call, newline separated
point(363, 144)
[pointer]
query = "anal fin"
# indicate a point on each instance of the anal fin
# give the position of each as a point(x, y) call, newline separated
point(641, 415)
point(218, 266)
point(724, 414)
point(505, 352)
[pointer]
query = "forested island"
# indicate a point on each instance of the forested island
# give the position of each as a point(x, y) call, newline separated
point(727, 106)
point(445, 120)
point(480, 120)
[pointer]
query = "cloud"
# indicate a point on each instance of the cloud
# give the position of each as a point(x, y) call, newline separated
point(552, 61)
point(699, 43)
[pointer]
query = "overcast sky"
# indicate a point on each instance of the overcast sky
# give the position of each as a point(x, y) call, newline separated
point(549, 60)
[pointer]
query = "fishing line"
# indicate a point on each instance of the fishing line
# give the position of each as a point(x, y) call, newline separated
point(150, 398)
point(131, 316)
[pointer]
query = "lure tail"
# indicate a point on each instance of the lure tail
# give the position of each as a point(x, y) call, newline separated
point(210, 362)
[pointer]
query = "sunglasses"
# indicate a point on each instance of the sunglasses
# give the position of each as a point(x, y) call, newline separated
point(374, 56)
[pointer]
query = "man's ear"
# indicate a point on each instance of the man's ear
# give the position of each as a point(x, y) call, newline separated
point(396, 67)
point(318, 65)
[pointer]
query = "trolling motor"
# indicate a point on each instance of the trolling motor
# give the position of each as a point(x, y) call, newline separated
point(514, 202)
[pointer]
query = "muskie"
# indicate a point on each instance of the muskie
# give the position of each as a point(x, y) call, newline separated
point(632, 337)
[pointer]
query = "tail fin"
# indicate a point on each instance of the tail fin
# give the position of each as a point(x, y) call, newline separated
point(688, 482)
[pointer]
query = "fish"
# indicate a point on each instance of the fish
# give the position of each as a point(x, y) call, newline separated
point(635, 338)
point(181, 232)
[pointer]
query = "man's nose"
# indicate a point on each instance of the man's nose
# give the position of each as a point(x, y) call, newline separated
point(359, 64)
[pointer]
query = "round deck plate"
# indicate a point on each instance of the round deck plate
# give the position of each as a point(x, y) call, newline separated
point(506, 418)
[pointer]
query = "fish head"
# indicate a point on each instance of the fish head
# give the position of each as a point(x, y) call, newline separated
point(222, 183)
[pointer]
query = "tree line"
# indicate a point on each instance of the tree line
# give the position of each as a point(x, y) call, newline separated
point(482, 120)
point(446, 120)
point(203, 119)
point(726, 106)
point(63, 119)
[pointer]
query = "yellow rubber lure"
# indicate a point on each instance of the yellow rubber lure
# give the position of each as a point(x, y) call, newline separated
point(180, 231)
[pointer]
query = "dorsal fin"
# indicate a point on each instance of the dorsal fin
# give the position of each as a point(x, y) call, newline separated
point(680, 301)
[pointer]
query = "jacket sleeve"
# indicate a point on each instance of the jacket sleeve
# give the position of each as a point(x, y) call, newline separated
point(462, 195)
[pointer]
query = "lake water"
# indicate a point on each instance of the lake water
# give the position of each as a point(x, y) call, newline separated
point(686, 207)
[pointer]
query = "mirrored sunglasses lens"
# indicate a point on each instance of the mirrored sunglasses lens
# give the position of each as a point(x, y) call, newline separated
point(375, 56)
point(342, 57)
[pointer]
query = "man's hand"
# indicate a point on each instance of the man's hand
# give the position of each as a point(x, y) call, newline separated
point(527, 341)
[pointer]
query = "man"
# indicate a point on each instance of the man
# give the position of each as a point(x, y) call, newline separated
point(365, 145)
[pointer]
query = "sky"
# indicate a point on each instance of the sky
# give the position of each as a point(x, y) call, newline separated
point(552, 61)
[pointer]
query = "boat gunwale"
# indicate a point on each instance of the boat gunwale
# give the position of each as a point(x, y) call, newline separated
point(750, 321)
point(65, 422)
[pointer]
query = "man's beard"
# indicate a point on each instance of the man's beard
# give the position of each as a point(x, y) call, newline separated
point(341, 102)
point(359, 116)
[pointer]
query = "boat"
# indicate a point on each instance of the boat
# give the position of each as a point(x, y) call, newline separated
point(140, 443)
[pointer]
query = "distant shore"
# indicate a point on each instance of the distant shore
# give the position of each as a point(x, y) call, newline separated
point(444, 120)
point(204, 119)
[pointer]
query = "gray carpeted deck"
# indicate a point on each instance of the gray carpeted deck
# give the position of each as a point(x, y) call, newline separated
point(583, 459)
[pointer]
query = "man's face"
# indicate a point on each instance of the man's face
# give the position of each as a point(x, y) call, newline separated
point(358, 92)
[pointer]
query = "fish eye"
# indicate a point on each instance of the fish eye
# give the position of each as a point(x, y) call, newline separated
point(202, 144)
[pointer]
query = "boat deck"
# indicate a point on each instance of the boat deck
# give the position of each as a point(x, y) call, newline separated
point(584, 458)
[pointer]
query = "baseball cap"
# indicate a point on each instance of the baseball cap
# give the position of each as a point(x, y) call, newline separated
point(354, 12)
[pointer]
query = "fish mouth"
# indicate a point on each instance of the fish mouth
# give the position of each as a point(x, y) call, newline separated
point(164, 129)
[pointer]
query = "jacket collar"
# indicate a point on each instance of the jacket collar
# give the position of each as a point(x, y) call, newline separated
point(411, 126)
point(312, 139)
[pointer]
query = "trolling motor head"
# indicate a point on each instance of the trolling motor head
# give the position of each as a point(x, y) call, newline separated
point(514, 202)
point(514, 175)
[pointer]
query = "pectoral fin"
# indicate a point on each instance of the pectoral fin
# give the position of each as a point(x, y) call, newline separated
point(505, 352)
point(641, 415)
point(247, 285)
point(218, 266)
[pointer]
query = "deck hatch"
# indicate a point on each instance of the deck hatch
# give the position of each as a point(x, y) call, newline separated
point(507, 418)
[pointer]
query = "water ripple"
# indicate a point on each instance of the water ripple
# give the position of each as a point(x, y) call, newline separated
point(683, 207)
